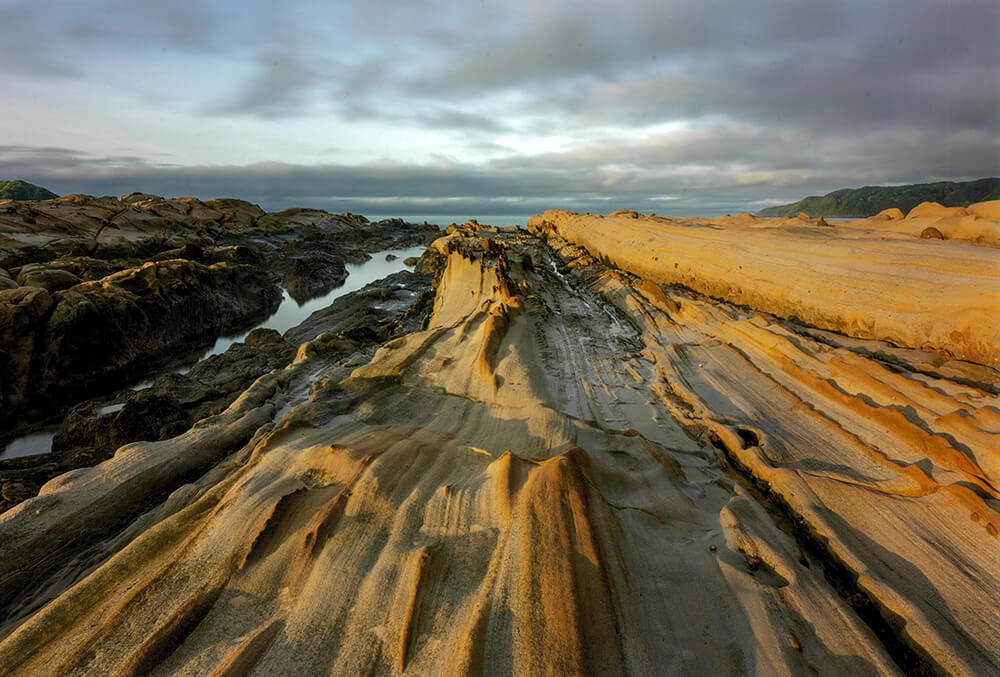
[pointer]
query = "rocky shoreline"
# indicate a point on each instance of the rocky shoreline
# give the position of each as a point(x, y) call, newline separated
point(542, 450)
point(97, 293)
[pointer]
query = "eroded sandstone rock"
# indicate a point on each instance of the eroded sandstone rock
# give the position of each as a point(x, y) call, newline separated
point(566, 451)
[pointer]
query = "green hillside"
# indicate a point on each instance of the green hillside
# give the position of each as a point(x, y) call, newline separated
point(870, 200)
point(22, 190)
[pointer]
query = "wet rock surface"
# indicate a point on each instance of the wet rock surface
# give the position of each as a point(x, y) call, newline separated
point(95, 335)
point(396, 305)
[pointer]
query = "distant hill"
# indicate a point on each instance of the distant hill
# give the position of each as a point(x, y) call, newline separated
point(870, 200)
point(22, 190)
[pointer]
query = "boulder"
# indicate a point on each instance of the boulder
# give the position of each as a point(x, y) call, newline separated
point(23, 314)
point(986, 210)
point(5, 281)
point(47, 278)
point(890, 214)
point(147, 415)
point(310, 275)
point(935, 211)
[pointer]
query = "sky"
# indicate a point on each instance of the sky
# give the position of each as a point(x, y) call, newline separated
point(498, 107)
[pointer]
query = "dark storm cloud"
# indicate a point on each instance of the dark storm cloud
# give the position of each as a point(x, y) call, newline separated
point(846, 65)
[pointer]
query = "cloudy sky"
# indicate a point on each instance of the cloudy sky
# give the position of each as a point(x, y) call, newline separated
point(498, 107)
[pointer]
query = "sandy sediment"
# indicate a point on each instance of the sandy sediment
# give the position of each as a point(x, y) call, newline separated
point(572, 469)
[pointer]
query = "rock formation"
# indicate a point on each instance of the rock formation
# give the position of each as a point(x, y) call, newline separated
point(97, 291)
point(912, 292)
point(584, 456)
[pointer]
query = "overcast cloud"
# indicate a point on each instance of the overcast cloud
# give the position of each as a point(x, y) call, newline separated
point(498, 108)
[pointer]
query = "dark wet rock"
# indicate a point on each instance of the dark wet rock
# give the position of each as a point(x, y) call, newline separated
point(391, 257)
point(354, 218)
point(411, 261)
point(5, 280)
point(98, 334)
point(397, 304)
point(310, 274)
point(147, 415)
point(47, 278)
point(94, 430)
point(15, 491)
point(212, 384)
point(125, 286)
point(84, 267)
point(23, 315)
point(189, 252)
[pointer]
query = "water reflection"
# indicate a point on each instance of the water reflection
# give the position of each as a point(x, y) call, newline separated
point(290, 313)
point(29, 445)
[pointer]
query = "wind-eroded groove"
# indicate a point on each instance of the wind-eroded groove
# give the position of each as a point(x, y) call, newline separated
point(406, 633)
point(887, 626)
point(171, 633)
point(248, 653)
point(32, 576)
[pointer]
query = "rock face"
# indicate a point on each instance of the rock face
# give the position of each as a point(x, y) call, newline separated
point(63, 345)
point(95, 291)
point(568, 468)
point(978, 223)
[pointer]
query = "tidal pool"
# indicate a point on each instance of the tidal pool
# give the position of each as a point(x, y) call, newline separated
point(29, 445)
point(291, 313)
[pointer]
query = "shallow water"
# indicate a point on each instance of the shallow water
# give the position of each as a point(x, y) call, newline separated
point(29, 445)
point(290, 313)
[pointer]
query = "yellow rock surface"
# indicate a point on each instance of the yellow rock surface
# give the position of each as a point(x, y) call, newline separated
point(915, 293)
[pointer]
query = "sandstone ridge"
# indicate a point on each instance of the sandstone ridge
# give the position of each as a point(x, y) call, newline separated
point(913, 292)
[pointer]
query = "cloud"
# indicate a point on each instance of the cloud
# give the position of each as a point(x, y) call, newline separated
point(706, 171)
point(280, 86)
point(22, 49)
point(843, 65)
point(715, 103)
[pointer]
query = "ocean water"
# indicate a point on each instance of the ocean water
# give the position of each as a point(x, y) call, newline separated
point(29, 445)
point(444, 220)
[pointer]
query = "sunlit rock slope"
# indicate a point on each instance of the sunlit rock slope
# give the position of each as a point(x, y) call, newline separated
point(573, 469)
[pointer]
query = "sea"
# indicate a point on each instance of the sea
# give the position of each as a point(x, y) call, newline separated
point(445, 220)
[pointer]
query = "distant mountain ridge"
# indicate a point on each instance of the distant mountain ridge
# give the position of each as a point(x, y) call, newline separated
point(870, 200)
point(22, 190)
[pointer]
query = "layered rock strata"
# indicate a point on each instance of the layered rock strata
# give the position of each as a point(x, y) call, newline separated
point(913, 292)
point(571, 470)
